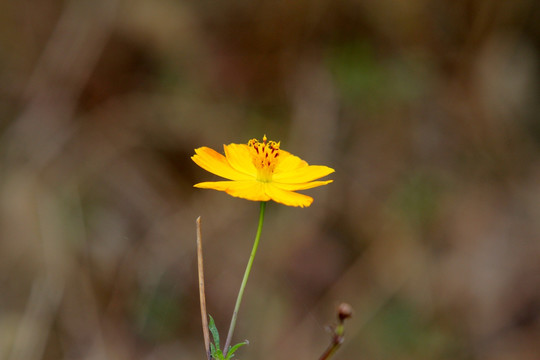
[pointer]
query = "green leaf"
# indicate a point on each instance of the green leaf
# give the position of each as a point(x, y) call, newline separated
point(232, 350)
point(213, 329)
point(216, 353)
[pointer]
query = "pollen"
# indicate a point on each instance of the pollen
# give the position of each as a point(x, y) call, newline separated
point(264, 156)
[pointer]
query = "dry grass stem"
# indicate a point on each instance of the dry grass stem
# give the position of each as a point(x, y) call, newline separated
point(202, 295)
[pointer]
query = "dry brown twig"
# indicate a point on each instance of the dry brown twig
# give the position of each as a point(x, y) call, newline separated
point(202, 296)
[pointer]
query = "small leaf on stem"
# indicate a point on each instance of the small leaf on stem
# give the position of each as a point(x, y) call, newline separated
point(232, 350)
point(214, 331)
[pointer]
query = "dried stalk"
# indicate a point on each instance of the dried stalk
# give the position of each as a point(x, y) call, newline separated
point(202, 295)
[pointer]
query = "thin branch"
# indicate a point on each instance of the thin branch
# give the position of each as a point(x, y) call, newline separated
point(344, 311)
point(202, 295)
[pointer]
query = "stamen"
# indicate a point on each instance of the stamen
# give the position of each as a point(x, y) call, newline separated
point(265, 164)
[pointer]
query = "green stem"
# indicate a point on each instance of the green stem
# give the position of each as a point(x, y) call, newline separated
point(245, 279)
point(337, 340)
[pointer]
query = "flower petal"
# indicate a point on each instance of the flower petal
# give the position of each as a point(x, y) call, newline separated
point(288, 162)
point(288, 198)
point(239, 157)
point(250, 189)
point(303, 174)
point(212, 161)
point(301, 186)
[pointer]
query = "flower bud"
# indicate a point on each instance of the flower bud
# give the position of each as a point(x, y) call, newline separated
point(345, 311)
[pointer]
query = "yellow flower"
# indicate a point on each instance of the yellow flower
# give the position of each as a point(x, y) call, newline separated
point(261, 171)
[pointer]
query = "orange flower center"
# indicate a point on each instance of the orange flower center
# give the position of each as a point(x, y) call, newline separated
point(264, 156)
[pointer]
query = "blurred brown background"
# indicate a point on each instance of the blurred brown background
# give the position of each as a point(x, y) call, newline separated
point(428, 111)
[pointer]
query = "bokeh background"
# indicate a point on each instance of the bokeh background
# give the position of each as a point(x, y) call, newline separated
point(428, 111)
